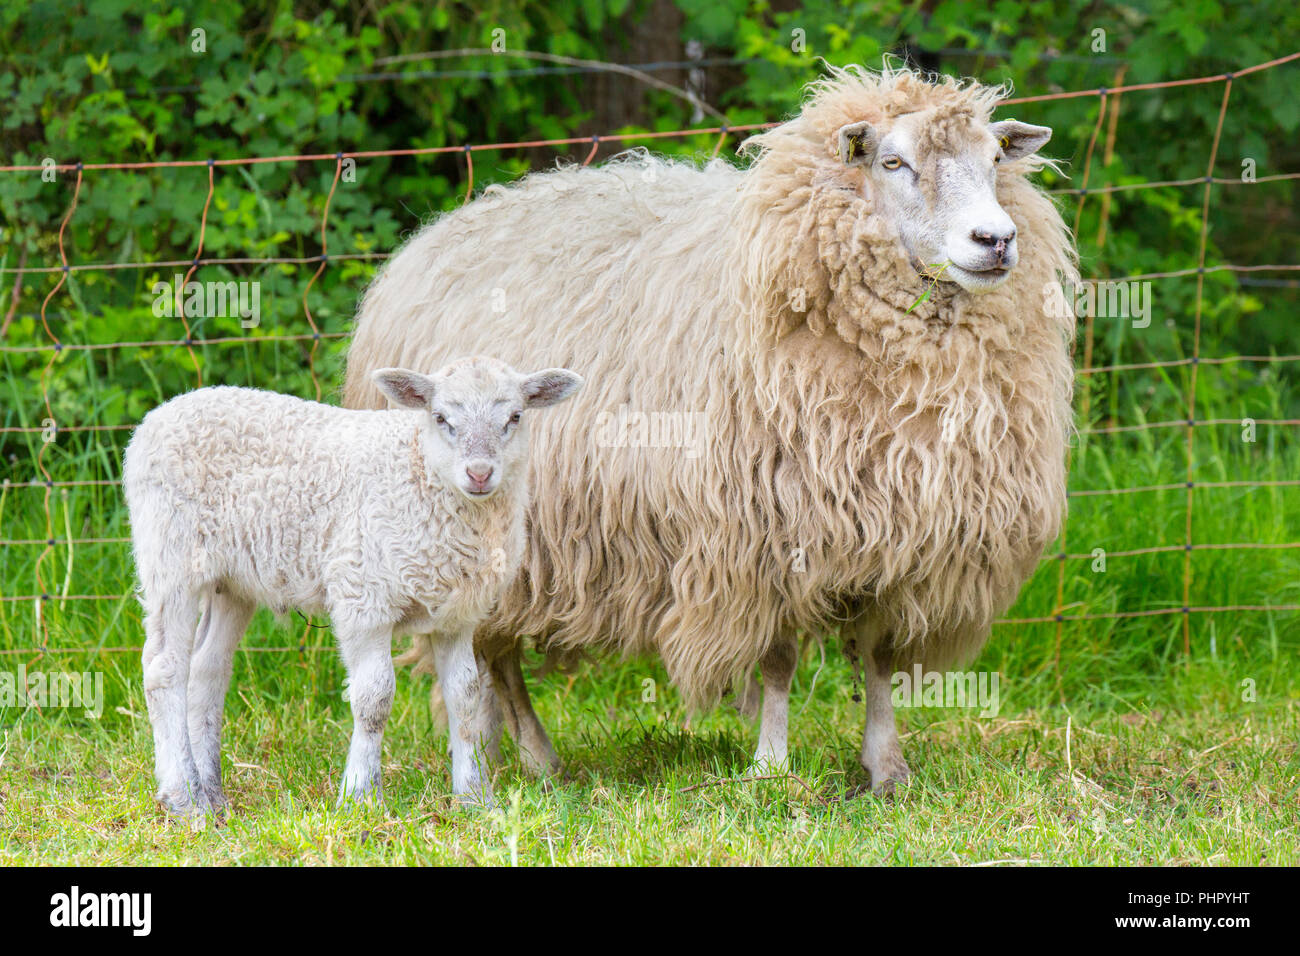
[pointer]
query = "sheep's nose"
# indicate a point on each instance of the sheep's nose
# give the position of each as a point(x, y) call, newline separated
point(997, 242)
point(479, 474)
point(985, 237)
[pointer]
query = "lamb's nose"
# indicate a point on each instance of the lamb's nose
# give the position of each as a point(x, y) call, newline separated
point(479, 474)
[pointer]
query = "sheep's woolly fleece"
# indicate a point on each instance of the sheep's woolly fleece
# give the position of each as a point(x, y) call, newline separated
point(866, 457)
point(294, 504)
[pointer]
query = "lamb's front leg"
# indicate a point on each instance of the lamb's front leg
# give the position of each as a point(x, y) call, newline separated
point(473, 718)
point(367, 653)
point(169, 626)
point(882, 757)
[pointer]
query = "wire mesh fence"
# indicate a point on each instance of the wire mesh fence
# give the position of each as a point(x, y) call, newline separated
point(46, 592)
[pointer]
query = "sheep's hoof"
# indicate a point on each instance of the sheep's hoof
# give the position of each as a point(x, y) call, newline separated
point(892, 778)
point(541, 761)
point(768, 766)
point(560, 777)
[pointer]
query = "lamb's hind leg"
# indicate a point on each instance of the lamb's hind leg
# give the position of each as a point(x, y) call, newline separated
point(368, 655)
point(473, 719)
point(169, 627)
point(882, 757)
point(777, 667)
point(224, 622)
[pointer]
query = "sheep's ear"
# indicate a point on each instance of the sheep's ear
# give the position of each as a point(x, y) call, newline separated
point(1018, 140)
point(549, 386)
point(404, 388)
point(858, 142)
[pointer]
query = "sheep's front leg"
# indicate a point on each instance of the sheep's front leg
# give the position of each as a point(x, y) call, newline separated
point(777, 667)
point(473, 719)
point(367, 653)
point(534, 745)
point(882, 757)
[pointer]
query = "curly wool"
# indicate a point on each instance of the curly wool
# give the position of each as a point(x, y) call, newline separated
point(868, 454)
point(295, 504)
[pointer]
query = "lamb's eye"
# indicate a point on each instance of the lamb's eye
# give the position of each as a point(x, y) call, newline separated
point(893, 162)
point(440, 419)
point(514, 419)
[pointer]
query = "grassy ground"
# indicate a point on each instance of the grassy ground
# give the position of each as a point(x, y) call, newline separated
point(1204, 778)
point(1112, 745)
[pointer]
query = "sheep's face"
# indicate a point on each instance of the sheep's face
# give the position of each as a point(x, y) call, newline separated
point(933, 174)
point(476, 434)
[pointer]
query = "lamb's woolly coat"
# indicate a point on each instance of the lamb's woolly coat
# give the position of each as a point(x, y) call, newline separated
point(295, 504)
point(906, 467)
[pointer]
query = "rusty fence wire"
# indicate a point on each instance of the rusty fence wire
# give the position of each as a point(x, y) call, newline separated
point(44, 591)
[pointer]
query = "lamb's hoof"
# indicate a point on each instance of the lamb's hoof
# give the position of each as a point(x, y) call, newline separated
point(217, 800)
point(184, 808)
point(359, 796)
point(474, 800)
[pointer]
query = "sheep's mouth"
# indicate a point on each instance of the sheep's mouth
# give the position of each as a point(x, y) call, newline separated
point(978, 278)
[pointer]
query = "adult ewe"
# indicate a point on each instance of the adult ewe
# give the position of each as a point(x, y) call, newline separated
point(876, 460)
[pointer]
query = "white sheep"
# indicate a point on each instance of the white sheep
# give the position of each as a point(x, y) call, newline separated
point(408, 520)
point(867, 320)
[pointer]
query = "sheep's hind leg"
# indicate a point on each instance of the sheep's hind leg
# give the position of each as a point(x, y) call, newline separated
point(535, 747)
point(169, 641)
point(224, 621)
point(368, 655)
point(473, 719)
point(882, 757)
point(777, 667)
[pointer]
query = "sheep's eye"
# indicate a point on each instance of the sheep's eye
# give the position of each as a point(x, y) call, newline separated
point(440, 419)
point(514, 419)
point(893, 162)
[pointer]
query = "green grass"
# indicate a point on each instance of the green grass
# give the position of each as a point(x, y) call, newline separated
point(1203, 778)
point(1112, 744)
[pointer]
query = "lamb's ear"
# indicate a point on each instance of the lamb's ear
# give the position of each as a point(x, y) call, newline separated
point(549, 386)
point(404, 388)
point(858, 142)
point(1018, 139)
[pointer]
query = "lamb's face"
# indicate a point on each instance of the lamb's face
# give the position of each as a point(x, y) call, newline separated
point(934, 176)
point(477, 437)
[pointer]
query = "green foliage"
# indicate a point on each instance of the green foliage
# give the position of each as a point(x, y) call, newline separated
point(113, 81)
point(118, 81)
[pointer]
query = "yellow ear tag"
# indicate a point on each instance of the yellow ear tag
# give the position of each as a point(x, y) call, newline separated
point(1004, 141)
